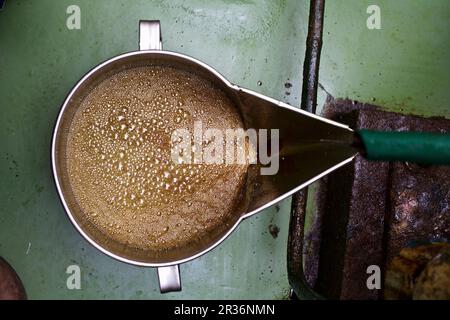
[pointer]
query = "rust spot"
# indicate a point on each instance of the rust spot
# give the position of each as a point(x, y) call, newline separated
point(274, 230)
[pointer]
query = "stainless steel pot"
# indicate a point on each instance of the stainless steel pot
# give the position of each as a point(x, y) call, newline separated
point(310, 147)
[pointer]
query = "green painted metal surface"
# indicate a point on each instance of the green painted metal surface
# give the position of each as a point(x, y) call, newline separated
point(40, 60)
point(403, 67)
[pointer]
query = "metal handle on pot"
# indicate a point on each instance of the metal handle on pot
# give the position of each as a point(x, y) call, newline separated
point(169, 278)
point(150, 39)
point(150, 35)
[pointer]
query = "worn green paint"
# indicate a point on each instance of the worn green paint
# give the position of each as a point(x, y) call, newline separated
point(40, 60)
point(403, 67)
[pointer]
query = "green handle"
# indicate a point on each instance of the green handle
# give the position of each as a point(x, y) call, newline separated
point(420, 147)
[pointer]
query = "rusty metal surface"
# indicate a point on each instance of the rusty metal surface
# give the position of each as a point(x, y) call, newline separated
point(296, 276)
point(309, 102)
point(368, 211)
point(312, 55)
point(388, 67)
point(41, 59)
